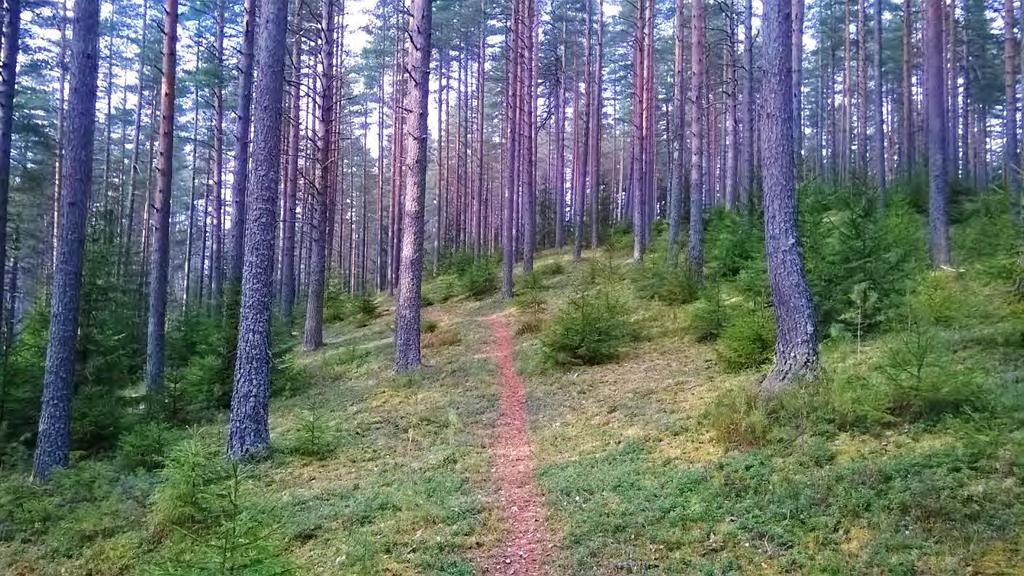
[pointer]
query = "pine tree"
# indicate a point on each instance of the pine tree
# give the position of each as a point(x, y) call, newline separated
point(53, 443)
point(249, 427)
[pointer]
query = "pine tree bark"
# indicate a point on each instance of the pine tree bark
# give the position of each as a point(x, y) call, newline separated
point(595, 129)
point(512, 153)
point(291, 186)
point(798, 68)
point(935, 102)
point(217, 244)
point(160, 217)
point(695, 249)
point(558, 99)
point(907, 152)
point(240, 177)
point(135, 171)
point(796, 342)
point(675, 191)
point(249, 428)
point(747, 153)
point(410, 271)
point(583, 167)
point(879, 112)
point(53, 443)
point(8, 85)
point(313, 333)
point(1010, 121)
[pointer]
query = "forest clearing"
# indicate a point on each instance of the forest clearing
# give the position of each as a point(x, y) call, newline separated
point(523, 287)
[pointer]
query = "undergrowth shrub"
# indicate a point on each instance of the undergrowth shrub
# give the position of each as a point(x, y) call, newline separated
point(530, 304)
point(659, 280)
point(342, 306)
point(747, 339)
point(195, 471)
point(313, 437)
point(145, 446)
point(549, 269)
point(592, 327)
point(916, 380)
point(708, 316)
point(850, 247)
point(445, 336)
point(240, 533)
point(462, 274)
point(733, 243)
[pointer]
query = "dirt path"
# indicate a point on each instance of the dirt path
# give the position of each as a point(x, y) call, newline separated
point(525, 544)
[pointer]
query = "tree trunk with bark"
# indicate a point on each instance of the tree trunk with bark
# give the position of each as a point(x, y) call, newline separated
point(410, 272)
point(313, 333)
point(695, 249)
point(249, 427)
point(8, 69)
point(935, 103)
point(1010, 122)
point(160, 217)
point(53, 443)
point(291, 186)
point(796, 341)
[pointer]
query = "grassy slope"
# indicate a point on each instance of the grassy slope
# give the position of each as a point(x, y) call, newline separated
point(635, 477)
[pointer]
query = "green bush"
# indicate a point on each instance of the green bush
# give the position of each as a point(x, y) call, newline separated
point(847, 243)
point(478, 280)
point(733, 244)
point(923, 381)
point(313, 438)
point(241, 534)
point(748, 340)
point(340, 306)
point(708, 316)
point(196, 390)
point(656, 279)
point(145, 446)
point(553, 268)
point(592, 327)
point(194, 472)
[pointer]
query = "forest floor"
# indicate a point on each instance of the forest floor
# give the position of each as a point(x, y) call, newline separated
point(491, 460)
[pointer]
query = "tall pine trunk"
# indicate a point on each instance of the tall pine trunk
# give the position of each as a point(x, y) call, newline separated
point(796, 342)
point(695, 250)
point(8, 69)
point(249, 428)
point(291, 185)
point(53, 443)
point(935, 103)
point(1010, 122)
point(313, 333)
point(160, 209)
point(410, 271)
point(677, 182)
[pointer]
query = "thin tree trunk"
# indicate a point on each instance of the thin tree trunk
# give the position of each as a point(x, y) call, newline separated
point(879, 113)
point(1010, 122)
point(8, 86)
point(217, 244)
point(240, 177)
point(410, 275)
point(935, 102)
point(678, 122)
point(907, 139)
point(747, 154)
point(512, 148)
point(53, 443)
point(798, 68)
point(695, 250)
point(161, 207)
point(291, 186)
point(313, 333)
